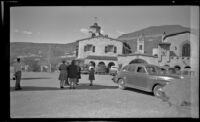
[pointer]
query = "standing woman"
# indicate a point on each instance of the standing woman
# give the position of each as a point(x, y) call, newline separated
point(72, 74)
point(63, 74)
point(91, 74)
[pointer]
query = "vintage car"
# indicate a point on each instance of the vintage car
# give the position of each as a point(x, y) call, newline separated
point(113, 70)
point(143, 77)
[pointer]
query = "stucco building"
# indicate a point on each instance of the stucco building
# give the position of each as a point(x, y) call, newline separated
point(173, 50)
point(100, 49)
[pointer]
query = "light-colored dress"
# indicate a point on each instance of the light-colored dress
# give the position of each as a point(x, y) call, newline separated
point(63, 72)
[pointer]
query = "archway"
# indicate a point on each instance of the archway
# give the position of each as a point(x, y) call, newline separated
point(101, 63)
point(138, 61)
point(187, 67)
point(101, 68)
point(111, 64)
point(166, 65)
point(93, 63)
point(177, 67)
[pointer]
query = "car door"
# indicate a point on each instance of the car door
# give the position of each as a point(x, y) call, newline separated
point(140, 77)
point(130, 76)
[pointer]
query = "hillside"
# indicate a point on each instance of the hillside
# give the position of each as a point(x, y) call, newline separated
point(155, 30)
point(26, 49)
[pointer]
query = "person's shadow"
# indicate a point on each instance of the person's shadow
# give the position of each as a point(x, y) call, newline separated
point(78, 87)
point(94, 86)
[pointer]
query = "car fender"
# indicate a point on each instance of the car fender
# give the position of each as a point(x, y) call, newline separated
point(160, 82)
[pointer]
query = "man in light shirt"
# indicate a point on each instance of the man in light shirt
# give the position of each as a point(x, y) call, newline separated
point(17, 73)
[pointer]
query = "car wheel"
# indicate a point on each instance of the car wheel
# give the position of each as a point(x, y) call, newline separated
point(121, 84)
point(157, 91)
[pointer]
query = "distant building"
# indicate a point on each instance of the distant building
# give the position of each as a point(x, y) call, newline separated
point(173, 50)
point(179, 50)
point(100, 49)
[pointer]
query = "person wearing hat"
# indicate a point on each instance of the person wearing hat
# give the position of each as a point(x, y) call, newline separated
point(17, 73)
point(63, 74)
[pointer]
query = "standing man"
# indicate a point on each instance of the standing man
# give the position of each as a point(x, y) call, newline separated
point(63, 74)
point(72, 74)
point(17, 73)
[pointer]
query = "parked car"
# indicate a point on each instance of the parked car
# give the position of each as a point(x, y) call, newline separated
point(179, 92)
point(113, 70)
point(143, 77)
point(101, 69)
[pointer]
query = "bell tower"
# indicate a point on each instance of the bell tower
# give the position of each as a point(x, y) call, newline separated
point(140, 44)
point(95, 29)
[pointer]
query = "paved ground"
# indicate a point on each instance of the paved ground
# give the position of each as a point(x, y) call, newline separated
point(42, 97)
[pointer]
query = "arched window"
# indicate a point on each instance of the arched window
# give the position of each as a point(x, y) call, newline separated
point(186, 50)
point(111, 64)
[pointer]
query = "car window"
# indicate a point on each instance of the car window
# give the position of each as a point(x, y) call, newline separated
point(125, 68)
point(151, 69)
point(131, 68)
point(141, 69)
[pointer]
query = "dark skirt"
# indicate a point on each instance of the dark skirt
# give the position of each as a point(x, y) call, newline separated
point(63, 75)
point(91, 77)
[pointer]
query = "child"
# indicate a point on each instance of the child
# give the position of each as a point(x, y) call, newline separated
point(91, 75)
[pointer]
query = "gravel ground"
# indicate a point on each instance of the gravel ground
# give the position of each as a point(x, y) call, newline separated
point(41, 97)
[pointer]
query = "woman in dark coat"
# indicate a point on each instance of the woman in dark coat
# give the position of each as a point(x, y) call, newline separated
point(91, 75)
point(63, 74)
point(72, 74)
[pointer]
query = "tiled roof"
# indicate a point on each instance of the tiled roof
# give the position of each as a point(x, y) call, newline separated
point(100, 36)
point(138, 55)
point(102, 58)
point(174, 34)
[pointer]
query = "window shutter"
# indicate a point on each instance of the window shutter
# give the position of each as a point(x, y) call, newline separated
point(93, 48)
point(106, 49)
point(84, 48)
point(115, 49)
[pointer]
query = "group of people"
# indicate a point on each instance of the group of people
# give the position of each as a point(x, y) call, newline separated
point(70, 74)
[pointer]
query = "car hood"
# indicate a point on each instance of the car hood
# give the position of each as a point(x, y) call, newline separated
point(167, 77)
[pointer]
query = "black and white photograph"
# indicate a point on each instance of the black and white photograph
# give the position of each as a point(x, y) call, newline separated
point(104, 61)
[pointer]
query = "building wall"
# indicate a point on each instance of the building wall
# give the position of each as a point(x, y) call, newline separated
point(124, 60)
point(99, 43)
point(87, 61)
point(176, 61)
point(155, 51)
point(178, 41)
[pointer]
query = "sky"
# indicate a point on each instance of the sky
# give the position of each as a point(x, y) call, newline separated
point(66, 24)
